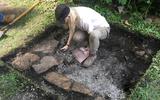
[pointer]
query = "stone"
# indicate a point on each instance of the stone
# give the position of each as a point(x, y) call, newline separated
point(149, 20)
point(46, 46)
point(120, 9)
point(59, 80)
point(156, 20)
point(140, 53)
point(23, 62)
point(81, 88)
point(146, 56)
point(149, 51)
point(46, 63)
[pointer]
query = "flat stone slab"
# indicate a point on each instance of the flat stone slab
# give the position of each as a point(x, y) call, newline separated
point(66, 83)
point(59, 80)
point(23, 62)
point(46, 63)
point(81, 88)
point(46, 46)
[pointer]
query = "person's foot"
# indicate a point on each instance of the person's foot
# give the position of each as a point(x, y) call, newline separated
point(89, 61)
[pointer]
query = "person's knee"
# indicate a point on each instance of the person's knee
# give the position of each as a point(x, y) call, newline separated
point(79, 36)
point(93, 36)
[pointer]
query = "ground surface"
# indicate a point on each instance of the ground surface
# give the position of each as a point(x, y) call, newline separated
point(26, 29)
point(122, 59)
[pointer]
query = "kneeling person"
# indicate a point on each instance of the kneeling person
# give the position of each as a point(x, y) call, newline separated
point(83, 19)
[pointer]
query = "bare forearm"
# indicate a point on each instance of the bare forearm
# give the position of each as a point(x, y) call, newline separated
point(69, 38)
point(71, 33)
point(72, 25)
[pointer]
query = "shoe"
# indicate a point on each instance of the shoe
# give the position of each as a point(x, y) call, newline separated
point(9, 18)
point(89, 61)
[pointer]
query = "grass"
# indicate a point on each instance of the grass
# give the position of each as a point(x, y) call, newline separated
point(135, 22)
point(28, 27)
point(10, 82)
point(149, 86)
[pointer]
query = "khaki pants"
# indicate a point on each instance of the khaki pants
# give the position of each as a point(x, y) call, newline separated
point(93, 38)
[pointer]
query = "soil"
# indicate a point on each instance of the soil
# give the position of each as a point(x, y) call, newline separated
point(32, 93)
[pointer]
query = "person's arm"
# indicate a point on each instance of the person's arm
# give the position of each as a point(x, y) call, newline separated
point(71, 30)
point(71, 25)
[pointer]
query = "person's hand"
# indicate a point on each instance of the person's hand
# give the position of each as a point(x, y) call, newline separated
point(65, 48)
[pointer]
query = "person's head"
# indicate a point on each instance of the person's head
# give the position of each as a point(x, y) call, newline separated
point(61, 14)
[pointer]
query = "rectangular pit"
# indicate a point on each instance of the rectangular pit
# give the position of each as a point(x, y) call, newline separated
point(122, 60)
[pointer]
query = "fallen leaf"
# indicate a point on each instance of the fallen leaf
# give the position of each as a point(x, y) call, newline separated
point(127, 23)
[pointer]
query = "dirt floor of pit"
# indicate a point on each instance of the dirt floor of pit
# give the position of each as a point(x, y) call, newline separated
point(122, 60)
point(31, 93)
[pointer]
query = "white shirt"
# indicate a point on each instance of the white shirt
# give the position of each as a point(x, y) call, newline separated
point(89, 19)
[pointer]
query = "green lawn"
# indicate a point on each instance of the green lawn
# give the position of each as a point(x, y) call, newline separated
point(29, 26)
point(135, 22)
point(10, 82)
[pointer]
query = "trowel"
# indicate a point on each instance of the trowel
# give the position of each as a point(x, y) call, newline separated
point(4, 29)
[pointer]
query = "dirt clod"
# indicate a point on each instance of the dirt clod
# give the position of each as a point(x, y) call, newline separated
point(140, 53)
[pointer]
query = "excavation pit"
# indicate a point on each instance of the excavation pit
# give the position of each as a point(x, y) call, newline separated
point(122, 60)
